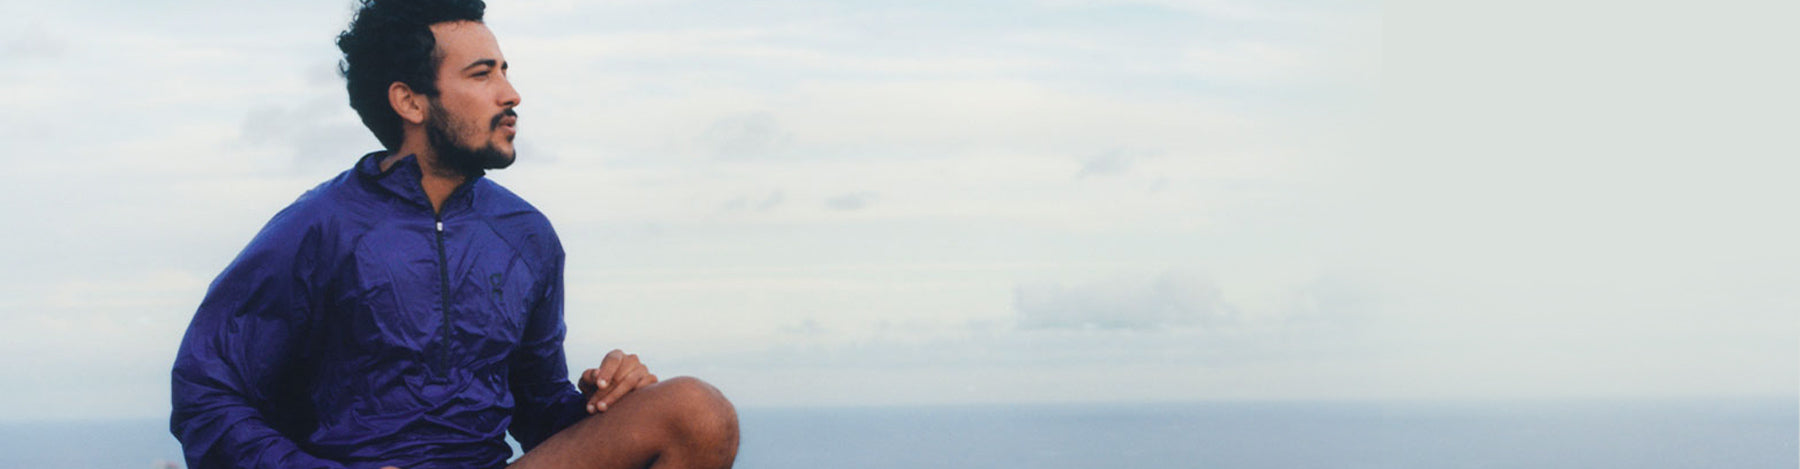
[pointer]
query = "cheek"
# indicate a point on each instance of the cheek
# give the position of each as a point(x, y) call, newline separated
point(473, 125)
point(466, 112)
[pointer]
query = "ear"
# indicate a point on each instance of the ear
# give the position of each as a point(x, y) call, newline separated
point(409, 105)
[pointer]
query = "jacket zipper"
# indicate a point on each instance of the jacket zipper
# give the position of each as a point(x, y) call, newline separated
point(444, 298)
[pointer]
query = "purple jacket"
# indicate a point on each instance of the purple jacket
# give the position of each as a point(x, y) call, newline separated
point(359, 329)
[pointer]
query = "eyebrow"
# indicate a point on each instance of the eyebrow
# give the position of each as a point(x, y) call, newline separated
point(487, 62)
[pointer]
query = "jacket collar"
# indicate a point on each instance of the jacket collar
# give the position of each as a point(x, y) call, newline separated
point(402, 180)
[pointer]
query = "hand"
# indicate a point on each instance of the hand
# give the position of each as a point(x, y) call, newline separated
point(619, 373)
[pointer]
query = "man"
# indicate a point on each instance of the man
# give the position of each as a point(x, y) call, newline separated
point(408, 313)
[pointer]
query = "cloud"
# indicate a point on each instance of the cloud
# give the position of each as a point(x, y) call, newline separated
point(1239, 11)
point(808, 328)
point(750, 203)
point(1171, 299)
point(852, 201)
point(1334, 299)
point(748, 135)
point(319, 132)
point(58, 332)
point(34, 41)
point(1111, 162)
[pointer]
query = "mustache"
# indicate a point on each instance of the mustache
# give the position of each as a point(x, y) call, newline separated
point(495, 122)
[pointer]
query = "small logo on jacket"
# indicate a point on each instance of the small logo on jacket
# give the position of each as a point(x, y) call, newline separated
point(495, 280)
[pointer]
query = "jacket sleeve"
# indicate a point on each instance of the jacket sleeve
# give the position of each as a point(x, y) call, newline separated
point(546, 402)
point(238, 354)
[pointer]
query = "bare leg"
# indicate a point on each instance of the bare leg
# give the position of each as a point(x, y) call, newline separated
point(679, 423)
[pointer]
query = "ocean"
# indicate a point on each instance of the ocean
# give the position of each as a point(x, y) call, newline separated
point(1755, 433)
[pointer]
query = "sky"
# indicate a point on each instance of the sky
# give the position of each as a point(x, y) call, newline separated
point(1025, 201)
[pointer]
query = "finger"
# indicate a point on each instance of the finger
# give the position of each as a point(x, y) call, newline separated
point(630, 382)
point(622, 382)
point(586, 382)
point(609, 366)
point(604, 379)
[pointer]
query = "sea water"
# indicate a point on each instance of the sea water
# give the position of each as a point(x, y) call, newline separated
point(1758, 433)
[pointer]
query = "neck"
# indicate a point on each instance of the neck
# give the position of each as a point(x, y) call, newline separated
point(438, 180)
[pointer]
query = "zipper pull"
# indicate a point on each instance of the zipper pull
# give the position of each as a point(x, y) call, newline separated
point(440, 224)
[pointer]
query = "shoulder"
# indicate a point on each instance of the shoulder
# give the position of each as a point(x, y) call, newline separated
point(517, 221)
point(311, 222)
point(319, 206)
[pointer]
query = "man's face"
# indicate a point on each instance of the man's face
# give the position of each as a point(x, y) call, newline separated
point(471, 123)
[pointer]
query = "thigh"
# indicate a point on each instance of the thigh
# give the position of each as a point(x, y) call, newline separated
point(621, 437)
point(646, 425)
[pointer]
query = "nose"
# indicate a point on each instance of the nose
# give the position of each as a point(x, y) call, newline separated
point(509, 97)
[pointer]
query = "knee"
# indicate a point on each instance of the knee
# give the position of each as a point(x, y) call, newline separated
point(702, 415)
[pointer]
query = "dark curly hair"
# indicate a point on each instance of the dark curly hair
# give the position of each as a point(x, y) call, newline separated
point(389, 41)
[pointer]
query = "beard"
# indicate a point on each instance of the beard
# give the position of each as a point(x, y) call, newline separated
point(441, 131)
